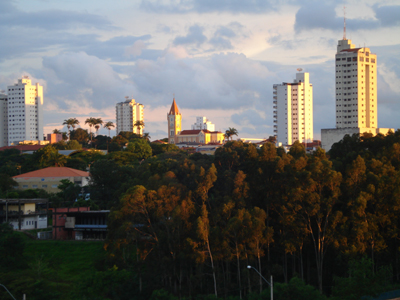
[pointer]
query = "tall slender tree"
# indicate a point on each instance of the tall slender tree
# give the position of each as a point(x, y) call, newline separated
point(91, 122)
point(139, 124)
point(229, 133)
point(97, 124)
point(109, 125)
point(71, 122)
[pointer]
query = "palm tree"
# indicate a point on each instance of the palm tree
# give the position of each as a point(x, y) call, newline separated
point(92, 122)
point(139, 124)
point(71, 122)
point(147, 136)
point(109, 125)
point(230, 133)
point(56, 131)
point(97, 124)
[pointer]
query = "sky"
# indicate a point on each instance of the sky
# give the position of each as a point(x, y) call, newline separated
point(219, 58)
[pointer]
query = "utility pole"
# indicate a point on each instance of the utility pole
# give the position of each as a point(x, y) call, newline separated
point(269, 283)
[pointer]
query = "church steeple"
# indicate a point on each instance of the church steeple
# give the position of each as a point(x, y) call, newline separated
point(174, 118)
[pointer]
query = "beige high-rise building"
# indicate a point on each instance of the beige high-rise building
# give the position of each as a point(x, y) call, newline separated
point(356, 91)
point(356, 88)
point(174, 118)
point(127, 114)
point(293, 110)
point(25, 117)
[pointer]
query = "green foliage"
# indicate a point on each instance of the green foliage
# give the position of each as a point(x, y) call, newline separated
point(11, 249)
point(80, 135)
point(140, 147)
point(6, 183)
point(362, 281)
point(162, 148)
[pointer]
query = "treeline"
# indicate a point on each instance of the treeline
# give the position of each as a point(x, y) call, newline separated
point(192, 225)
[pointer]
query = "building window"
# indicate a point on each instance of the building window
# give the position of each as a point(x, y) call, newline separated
point(25, 186)
point(54, 186)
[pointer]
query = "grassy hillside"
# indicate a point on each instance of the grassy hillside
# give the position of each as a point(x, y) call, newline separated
point(54, 268)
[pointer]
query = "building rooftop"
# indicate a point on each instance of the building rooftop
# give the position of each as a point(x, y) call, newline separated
point(174, 109)
point(55, 172)
point(23, 148)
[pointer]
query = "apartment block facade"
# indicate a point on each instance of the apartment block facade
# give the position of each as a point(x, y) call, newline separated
point(127, 114)
point(356, 86)
point(293, 110)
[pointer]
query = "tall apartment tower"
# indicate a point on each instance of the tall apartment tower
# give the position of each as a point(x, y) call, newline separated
point(356, 88)
point(293, 110)
point(174, 118)
point(3, 120)
point(24, 111)
point(127, 114)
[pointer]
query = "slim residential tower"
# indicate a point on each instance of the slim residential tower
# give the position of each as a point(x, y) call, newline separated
point(127, 114)
point(25, 117)
point(293, 110)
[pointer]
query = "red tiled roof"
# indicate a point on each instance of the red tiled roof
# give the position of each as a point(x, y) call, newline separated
point(174, 109)
point(351, 50)
point(192, 132)
point(23, 148)
point(55, 172)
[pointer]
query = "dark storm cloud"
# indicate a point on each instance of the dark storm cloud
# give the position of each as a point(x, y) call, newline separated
point(207, 6)
point(323, 15)
point(195, 36)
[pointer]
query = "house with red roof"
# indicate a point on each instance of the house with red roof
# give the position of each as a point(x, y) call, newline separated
point(49, 178)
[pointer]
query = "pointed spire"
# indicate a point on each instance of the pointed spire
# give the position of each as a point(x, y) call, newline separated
point(174, 109)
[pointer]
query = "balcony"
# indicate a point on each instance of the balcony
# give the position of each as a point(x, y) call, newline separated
point(275, 121)
point(275, 102)
point(275, 107)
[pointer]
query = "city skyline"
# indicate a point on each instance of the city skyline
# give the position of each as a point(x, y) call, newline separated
point(220, 59)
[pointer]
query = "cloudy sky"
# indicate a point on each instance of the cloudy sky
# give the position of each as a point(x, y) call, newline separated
point(219, 57)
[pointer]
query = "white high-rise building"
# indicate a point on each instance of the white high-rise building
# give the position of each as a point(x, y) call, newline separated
point(356, 88)
point(203, 123)
point(293, 110)
point(3, 120)
point(25, 116)
point(127, 114)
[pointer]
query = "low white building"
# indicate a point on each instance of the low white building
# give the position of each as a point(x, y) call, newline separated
point(24, 214)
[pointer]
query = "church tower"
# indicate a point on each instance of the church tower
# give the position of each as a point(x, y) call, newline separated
point(174, 123)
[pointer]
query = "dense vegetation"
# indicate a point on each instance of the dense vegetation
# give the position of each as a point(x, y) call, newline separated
point(188, 225)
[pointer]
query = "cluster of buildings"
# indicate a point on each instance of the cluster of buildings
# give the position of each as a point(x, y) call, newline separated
point(356, 100)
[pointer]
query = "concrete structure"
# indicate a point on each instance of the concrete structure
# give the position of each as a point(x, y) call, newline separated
point(79, 223)
point(174, 119)
point(200, 136)
point(3, 120)
point(24, 214)
point(203, 123)
point(25, 116)
point(356, 94)
point(49, 178)
point(127, 114)
point(293, 110)
point(54, 137)
point(334, 135)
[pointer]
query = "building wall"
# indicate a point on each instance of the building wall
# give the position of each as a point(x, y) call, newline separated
point(25, 116)
point(54, 137)
point(49, 184)
point(334, 135)
point(59, 219)
point(3, 120)
point(30, 222)
point(203, 123)
point(356, 87)
point(293, 110)
point(127, 114)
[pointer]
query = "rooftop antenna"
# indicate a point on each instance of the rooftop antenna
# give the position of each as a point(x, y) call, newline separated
point(344, 22)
